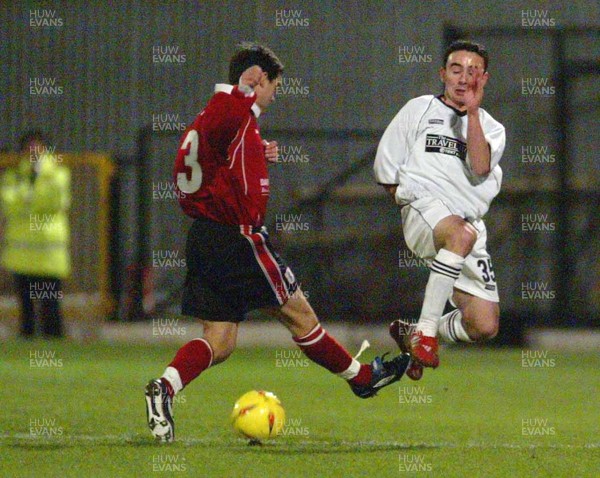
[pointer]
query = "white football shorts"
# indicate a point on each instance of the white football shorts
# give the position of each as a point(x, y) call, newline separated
point(418, 221)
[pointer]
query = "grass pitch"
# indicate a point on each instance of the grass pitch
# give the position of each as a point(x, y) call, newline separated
point(72, 410)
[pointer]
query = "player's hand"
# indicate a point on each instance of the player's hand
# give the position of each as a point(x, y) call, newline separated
point(251, 77)
point(475, 84)
point(271, 151)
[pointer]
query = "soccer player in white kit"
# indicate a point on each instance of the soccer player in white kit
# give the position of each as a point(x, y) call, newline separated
point(439, 159)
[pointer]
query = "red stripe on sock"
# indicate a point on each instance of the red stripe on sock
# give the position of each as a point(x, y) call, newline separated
point(192, 359)
point(327, 352)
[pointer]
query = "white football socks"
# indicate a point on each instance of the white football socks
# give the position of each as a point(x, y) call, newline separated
point(451, 328)
point(172, 375)
point(445, 269)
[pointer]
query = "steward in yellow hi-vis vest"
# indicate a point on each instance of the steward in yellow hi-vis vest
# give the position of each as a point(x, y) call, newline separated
point(35, 198)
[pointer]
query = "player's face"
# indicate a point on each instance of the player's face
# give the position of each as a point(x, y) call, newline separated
point(265, 91)
point(459, 71)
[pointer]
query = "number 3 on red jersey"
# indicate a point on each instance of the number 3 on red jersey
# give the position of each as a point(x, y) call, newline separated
point(190, 186)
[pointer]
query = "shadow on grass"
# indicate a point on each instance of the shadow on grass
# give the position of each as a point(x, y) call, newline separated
point(231, 445)
point(327, 448)
point(36, 443)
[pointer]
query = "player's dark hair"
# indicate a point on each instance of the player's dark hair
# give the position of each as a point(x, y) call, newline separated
point(250, 54)
point(467, 46)
point(32, 135)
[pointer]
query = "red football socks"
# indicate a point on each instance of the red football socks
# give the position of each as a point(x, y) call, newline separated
point(364, 375)
point(323, 349)
point(320, 347)
point(192, 359)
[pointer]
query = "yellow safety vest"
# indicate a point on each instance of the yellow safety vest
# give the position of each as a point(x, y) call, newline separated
point(36, 232)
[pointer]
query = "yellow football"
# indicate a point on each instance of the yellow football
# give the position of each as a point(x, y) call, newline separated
point(258, 415)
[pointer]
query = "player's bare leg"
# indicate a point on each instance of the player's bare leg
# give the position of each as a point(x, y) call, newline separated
point(222, 337)
point(365, 379)
point(216, 345)
point(297, 315)
point(454, 238)
point(299, 318)
point(474, 320)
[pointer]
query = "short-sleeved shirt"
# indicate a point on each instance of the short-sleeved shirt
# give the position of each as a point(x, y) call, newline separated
point(424, 152)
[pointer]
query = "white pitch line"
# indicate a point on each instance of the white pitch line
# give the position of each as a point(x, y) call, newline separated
point(311, 443)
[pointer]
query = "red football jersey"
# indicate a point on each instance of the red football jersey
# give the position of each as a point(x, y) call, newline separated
point(221, 170)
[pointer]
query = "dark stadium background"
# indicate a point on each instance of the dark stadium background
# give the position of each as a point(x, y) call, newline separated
point(345, 81)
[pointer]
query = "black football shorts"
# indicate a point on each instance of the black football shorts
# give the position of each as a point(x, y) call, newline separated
point(232, 270)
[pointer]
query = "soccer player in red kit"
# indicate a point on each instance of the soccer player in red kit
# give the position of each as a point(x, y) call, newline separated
point(222, 176)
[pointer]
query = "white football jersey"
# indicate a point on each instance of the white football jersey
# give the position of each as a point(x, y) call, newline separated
point(424, 152)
